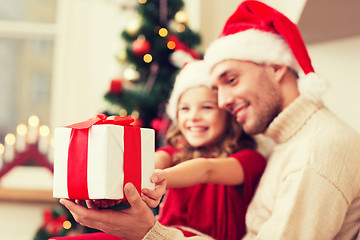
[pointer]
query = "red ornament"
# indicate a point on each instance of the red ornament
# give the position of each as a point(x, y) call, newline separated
point(140, 46)
point(160, 124)
point(116, 86)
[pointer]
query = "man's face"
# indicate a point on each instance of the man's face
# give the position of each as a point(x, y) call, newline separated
point(249, 91)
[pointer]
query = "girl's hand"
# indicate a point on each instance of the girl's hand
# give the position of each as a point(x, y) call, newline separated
point(152, 197)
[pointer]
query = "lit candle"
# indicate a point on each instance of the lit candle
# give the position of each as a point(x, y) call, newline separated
point(33, 129)
point(20, 144)
point(43, 143)
point(2, 150)
point(9, 147)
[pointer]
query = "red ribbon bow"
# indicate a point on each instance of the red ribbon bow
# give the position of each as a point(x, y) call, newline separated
point(103, 119)
point(78, 150)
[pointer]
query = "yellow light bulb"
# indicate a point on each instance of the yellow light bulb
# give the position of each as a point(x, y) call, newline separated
point(66, 224)
point(147, 58)
point(163, 32)
point(142, 1)
point(171, 45)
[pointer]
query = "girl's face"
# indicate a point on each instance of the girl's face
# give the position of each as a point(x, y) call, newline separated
point(200, 119)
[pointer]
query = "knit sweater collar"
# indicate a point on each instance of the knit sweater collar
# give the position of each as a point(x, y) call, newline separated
point(291, 119)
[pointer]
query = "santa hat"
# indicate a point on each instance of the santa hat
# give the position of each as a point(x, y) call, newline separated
point(258, 33)
point(193, 74)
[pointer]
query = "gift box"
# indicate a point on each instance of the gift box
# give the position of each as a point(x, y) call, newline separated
point(96, 158)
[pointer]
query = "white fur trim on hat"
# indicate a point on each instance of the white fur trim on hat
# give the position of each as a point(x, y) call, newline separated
point(194, 74)
point(251, 45)
point(312, 86)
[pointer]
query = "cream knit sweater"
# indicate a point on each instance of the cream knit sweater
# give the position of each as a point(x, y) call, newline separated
point(311, 186)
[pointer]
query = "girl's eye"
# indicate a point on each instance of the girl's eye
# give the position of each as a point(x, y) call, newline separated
point(183, 108)
point(207, 107)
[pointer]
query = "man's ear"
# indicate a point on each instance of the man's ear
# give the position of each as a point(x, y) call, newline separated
point(279, 71)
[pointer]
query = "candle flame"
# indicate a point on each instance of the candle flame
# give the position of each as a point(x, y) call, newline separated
point(44, 131)
point(10, 139)
point(33, 120)
point(21, 129)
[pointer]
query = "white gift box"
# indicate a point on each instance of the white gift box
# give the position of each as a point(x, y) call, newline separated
point(104, 173)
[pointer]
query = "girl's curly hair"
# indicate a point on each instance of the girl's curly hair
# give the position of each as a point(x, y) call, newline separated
point(231, 141)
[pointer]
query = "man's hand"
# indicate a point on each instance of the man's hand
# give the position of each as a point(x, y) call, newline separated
point(132, 223)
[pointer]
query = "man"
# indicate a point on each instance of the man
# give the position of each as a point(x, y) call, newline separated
point(263, 75)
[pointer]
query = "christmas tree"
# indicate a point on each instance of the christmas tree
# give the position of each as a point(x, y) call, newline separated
point(158, 41)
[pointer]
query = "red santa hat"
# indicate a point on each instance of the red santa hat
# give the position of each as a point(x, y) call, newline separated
point(258, 33)
point(193, 74)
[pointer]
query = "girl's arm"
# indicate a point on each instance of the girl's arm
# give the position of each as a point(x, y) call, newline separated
point(205, 170)
point(162, 160)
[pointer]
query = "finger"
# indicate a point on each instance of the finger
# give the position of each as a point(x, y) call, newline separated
point(150, 202)
point(133, 196)
point(158, 176)
point(91, 204)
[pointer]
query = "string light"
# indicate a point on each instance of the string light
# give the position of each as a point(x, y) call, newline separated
point(180, 28)
point(66, 224)
point(171, 45)
point(123, 112)
point(147, 58)
point(163, 32)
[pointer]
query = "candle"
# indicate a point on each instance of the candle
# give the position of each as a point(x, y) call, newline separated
point(33, 129)
point(50, 154)
point(2, 150)
point(20, 144)
point(43, 143)
point(9, 147)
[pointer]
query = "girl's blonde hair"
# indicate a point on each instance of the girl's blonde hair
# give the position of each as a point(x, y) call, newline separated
point(231, 141)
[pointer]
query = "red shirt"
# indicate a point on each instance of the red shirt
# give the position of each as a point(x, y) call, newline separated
point(214, 209)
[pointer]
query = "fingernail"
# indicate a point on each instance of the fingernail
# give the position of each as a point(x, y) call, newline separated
point(154, 178)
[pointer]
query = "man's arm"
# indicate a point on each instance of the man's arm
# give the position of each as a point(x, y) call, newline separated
point(134, 223)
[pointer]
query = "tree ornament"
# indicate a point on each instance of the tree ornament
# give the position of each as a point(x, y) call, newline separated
point(130, 73)
point(133, 26)
point(181, 17)
point(121, 56)
point(116, 86)
point(140, 46)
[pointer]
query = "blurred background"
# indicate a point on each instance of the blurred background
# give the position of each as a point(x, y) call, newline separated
point(62, 61)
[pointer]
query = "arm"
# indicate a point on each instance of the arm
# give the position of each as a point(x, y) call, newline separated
point(162, 160)
point(134, 223)
point(205, 170)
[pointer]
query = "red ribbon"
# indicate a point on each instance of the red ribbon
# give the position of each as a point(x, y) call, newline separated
point(78, 149)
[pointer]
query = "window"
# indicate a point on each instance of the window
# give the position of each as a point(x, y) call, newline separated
point(27, 38)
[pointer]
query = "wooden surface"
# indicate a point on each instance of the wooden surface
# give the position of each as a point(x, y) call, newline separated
point(26, 195)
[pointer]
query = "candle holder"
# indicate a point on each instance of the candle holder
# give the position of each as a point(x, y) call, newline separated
point(30, 146)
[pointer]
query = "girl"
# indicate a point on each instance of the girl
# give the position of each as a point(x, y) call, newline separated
point(210, 165)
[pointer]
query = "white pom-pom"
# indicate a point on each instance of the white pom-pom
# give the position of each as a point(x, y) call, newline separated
point(312, 86)
point(179, 58)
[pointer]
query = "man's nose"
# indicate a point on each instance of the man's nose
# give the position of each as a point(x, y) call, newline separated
point(225, 100)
